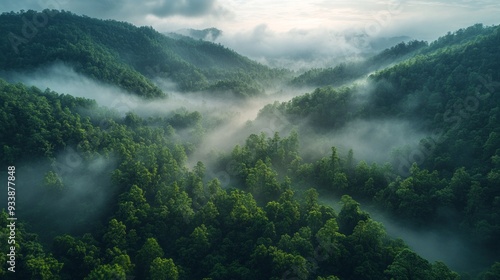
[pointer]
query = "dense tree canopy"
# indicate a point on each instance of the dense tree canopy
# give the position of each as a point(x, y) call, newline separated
point(130, 203)
point(122, 54)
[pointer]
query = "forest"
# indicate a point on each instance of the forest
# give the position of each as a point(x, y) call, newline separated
point(180, 183)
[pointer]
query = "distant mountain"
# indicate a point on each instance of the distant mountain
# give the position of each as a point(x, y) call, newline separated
point(125, 55)
point(207, 34)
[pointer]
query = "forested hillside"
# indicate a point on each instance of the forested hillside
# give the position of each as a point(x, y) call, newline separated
point(451, 94)
point(122, 54)
point(350, 71)
point(160, 218)
point(106, 194)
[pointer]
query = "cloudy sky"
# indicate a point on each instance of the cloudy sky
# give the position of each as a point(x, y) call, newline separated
point(277, 30)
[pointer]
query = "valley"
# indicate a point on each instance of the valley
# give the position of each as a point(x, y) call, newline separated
point(145, 155)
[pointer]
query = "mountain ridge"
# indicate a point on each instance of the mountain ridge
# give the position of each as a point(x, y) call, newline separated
point(124, 54)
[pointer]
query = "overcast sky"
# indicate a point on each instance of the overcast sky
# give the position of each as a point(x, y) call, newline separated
point(289, 30)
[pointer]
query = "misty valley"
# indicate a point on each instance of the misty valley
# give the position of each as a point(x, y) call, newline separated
point(128, 153)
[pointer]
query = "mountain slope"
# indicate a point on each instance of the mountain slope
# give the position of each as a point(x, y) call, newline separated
point(120, 53)
point(450, 93)
point(348, 72)
point(345, 73)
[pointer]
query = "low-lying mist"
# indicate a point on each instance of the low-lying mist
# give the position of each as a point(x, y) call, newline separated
point(371, 140)
point(228, 122)
point(224, 116)
point(62, 79)
point(65, 196)
point(438, 244)
point(302, 49)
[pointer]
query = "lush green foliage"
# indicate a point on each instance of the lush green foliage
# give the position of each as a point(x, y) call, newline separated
point(175, 222)
point(147, 214)
point(122, 54)
point(450, 90)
